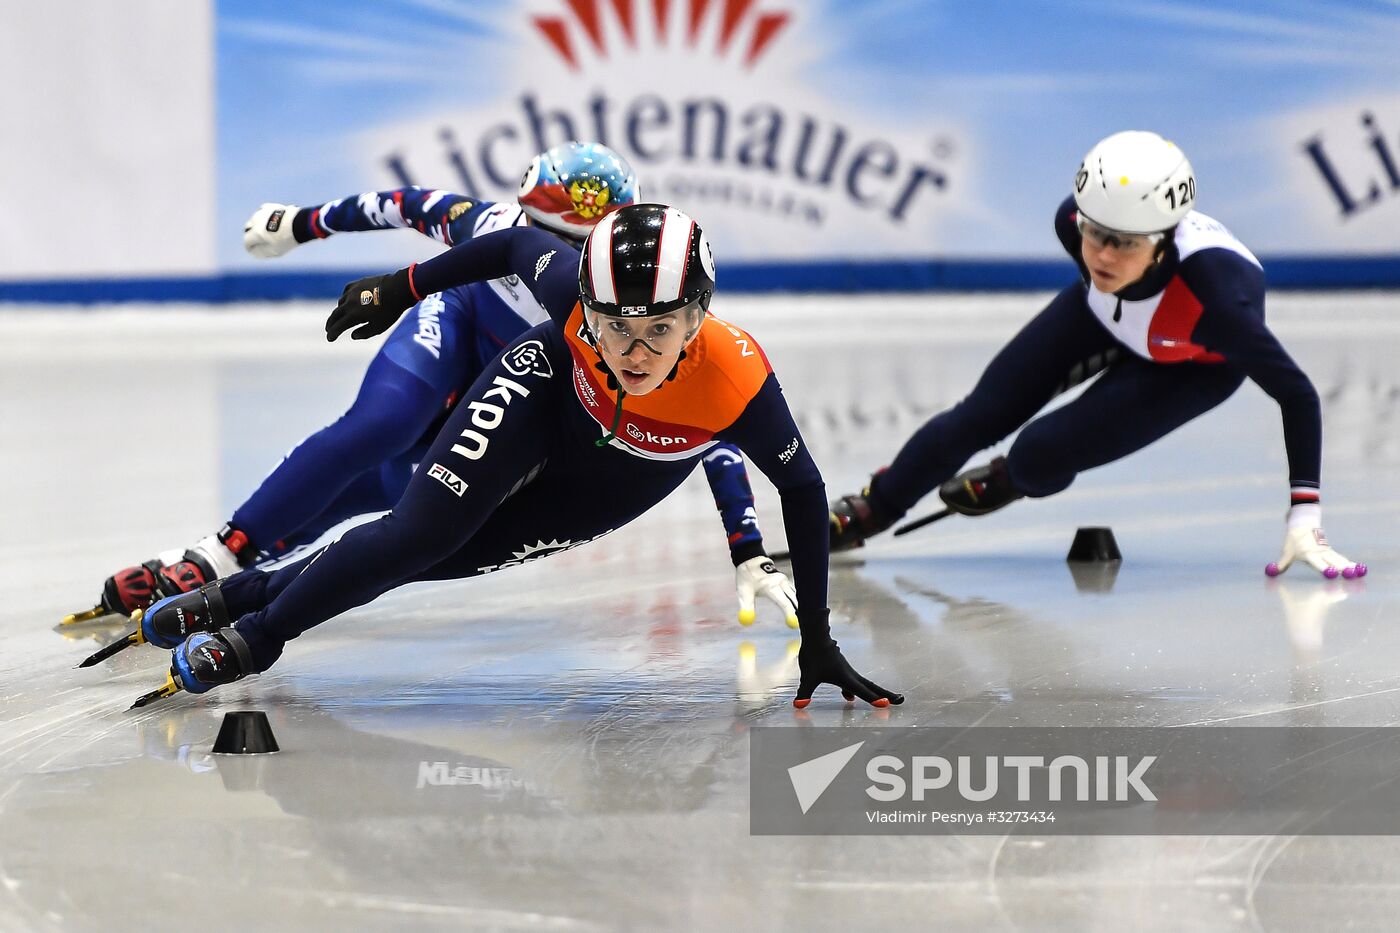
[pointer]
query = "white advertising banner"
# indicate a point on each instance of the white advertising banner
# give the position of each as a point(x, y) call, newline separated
point(108, 160)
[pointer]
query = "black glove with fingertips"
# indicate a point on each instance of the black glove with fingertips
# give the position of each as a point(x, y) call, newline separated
point(371, 305)
point(821, 662)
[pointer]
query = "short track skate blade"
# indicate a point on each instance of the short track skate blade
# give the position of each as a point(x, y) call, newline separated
point(96, 612)
point(918, 523)
point(121, 644)
point(168, 690)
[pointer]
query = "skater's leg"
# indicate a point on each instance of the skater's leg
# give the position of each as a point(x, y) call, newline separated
point(393, 409)
point(548, 515)
point(495, 436)
point(367, 494)
point(1132, 405)
point(406, 388)
point(1038, 363)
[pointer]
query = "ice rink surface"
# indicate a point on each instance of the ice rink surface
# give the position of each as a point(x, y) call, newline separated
point(563, 745)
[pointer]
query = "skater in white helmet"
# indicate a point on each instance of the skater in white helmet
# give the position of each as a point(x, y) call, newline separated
point(1170, 319)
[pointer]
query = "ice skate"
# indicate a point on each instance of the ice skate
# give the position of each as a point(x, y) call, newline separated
point(855, 518)
point(171, 621)
point(202, 662)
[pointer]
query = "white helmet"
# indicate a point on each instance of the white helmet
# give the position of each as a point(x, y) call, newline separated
point(1135, 182)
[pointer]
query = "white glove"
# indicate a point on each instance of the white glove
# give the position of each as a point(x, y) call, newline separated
point(268, 233)
point(757, 576)
point(1305, 539)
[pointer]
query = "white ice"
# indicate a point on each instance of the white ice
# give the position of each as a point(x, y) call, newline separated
point(593, 708)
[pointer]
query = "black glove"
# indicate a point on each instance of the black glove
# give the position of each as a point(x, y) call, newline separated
point(821, 662)
point(372, 304)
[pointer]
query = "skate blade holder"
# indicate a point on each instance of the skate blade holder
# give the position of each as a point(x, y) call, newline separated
point(168, 689)
point(121, 644)
point(96, 612)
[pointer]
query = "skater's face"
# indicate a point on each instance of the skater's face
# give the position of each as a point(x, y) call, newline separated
point(1116, 260)
point(642, 351)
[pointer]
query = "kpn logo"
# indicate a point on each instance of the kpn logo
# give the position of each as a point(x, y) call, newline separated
point(744, 113)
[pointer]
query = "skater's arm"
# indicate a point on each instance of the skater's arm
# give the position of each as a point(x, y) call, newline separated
point(729, 481)
point(1231, 291)
point(755, 575)
point(275, 229)
point(544, 263)
point(767, 434)
point(440, 215)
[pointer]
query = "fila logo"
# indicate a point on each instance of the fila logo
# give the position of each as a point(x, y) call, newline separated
point(543, 263)
point(486, 416)
point(449, 479)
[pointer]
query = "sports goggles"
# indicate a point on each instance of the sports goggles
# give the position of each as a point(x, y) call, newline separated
point(1100, 237)
point(663, 335)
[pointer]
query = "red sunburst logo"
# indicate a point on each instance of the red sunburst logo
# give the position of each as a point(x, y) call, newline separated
point(736, 16)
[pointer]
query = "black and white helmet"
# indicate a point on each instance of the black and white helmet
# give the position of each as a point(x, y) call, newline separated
point(645, 260)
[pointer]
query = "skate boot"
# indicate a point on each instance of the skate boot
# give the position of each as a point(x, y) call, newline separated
point(170, 574)
point(175, 618)
point(855, 518)
point(980, 490)
point(201, 663)
point(171, 620)
point(207, 660)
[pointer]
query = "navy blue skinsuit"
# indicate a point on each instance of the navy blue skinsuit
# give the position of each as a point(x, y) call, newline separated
point(1170, 347)
point(517, 468)
point(361, 463)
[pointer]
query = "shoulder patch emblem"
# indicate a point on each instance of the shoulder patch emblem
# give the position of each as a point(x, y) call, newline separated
point(527, 358)
point(543, 263)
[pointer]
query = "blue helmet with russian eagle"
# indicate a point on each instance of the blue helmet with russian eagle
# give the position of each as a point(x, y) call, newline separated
point(570, 187)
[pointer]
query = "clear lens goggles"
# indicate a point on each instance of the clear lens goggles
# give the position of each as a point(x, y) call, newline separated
point(662, 335)
point(1100, 237)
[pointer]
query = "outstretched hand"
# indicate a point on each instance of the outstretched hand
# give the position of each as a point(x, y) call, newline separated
point(371, 305)
point(758, 576)
point(268, 233)
point(1305, 540)
point(823, 663)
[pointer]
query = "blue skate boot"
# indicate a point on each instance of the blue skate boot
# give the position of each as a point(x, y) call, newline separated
point(174, 618)
point(205, 660)
point(171, 620)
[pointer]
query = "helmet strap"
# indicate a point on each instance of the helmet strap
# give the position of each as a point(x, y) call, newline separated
point(617, 419)
point(675, 370)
